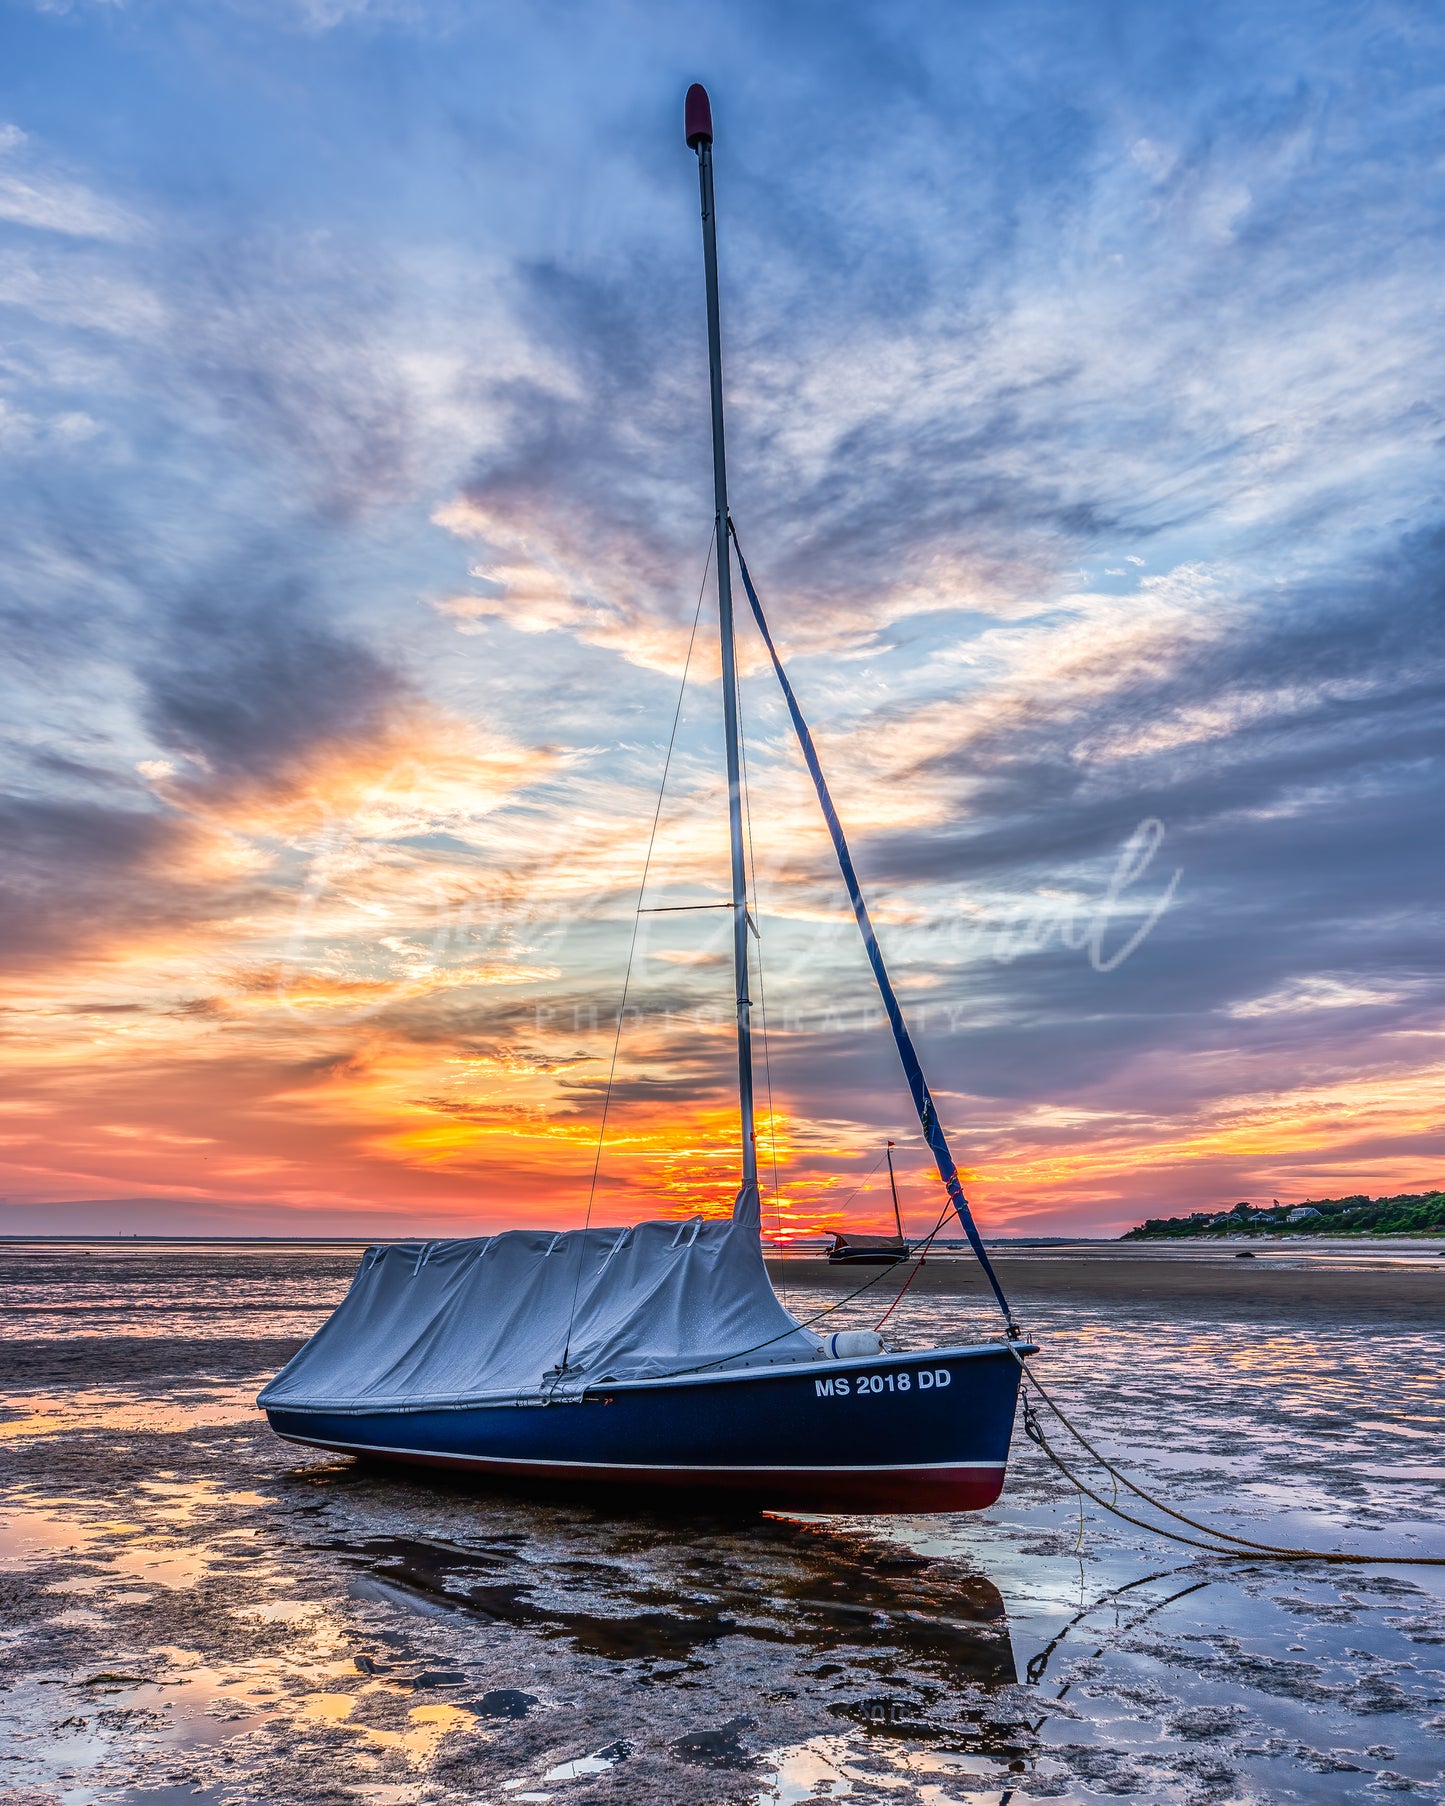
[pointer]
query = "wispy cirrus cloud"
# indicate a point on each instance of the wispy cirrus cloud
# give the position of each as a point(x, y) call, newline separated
point(46, 201)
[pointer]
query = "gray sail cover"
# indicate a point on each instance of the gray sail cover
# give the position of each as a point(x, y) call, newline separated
point(487, 1320)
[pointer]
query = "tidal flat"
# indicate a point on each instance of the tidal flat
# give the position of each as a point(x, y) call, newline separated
point(191, 1610)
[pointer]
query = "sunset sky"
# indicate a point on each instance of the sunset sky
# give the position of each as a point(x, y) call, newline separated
point(1085, 369)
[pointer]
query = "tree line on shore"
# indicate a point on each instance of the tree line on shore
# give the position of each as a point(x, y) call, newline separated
point(1410, 1213)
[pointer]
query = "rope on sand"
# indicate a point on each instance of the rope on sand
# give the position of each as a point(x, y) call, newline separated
point(1245, 1549)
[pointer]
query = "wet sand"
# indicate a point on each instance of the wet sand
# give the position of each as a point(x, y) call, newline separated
point(192, 1611)
point(1404, 1280)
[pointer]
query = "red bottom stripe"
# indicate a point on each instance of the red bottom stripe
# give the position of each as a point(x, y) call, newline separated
point(882, 1489)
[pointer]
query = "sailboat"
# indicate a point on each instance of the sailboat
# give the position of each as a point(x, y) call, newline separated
point(659, 1355)
point(873, 1250)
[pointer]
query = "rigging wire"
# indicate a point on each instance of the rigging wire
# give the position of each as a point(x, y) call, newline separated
point(637, 915)
point(758, 932)
point(902, 1039)
point(762, 989)
point(859, 1186)
point(883, 1273)
point(922, 1252)
point(902, 1135)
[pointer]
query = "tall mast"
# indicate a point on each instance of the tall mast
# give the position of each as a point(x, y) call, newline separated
point(893, 1187)
point(698, 127)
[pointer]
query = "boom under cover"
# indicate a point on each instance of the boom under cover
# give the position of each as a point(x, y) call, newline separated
point(488, 1320)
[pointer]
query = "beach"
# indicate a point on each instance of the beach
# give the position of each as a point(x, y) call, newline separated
point(193, 1610)
point(1382, 1278)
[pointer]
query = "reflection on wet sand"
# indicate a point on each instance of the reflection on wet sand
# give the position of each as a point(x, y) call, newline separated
point(518, 1642)
point(826, 1589)
point(190, 1610)
point(29, 1414)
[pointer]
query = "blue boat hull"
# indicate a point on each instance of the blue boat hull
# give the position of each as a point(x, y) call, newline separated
point(901, 1432)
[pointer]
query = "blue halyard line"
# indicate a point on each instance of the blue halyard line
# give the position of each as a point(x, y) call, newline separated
point(912, 1069)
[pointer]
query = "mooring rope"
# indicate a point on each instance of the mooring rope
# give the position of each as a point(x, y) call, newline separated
point(1246, 1549)
point(1038, 1663)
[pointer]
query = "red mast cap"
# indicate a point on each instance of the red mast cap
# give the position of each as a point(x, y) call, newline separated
point(697, 117)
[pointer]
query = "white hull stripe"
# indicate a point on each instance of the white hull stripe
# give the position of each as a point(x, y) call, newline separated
point(730, 1376)
point(651, 1467)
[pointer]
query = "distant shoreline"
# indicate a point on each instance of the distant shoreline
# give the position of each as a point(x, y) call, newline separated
point(1297, 1239)
point(1282, 1238)
point(1405, 1213)
point(795, 1253)
point(1373, 1282)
